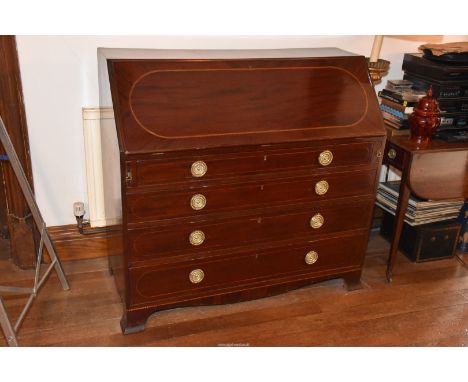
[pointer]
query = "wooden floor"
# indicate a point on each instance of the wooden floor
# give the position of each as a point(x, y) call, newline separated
point(427, 305)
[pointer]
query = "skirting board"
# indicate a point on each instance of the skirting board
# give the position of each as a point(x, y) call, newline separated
point(71, 245)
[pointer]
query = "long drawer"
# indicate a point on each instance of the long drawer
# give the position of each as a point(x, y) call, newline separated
point(194, 237)
point(202, 277)
point(199, 200)
point(199, 168)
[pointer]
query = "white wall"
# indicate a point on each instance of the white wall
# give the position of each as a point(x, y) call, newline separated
point(59, 76)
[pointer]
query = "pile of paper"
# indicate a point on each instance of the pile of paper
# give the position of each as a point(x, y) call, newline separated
point(419, 211)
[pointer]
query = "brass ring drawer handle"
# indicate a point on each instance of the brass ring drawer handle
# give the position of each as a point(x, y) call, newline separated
point(311, 257)
point(325, 157)
point(391, 153)
point(317, 221)
point(197, 202)
point(197, 237)
point(321, 188)
point(196, 276)
point(198, 169)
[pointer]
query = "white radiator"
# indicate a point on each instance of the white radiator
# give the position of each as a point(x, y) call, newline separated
point(103, 180)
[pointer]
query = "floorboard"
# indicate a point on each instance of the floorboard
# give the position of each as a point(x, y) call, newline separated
point(426, 305)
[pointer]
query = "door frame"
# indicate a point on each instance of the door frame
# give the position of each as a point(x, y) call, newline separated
point(21, 230)
point(3, 208)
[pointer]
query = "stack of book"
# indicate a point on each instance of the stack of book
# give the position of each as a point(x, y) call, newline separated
point(419, 211)
point(397, 101)
point(448, 77)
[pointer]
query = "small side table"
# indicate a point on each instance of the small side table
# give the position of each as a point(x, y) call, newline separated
point(436, 171)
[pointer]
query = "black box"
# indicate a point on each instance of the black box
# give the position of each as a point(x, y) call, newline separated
point(439, 71)
point(440, 89)
point(453, 105)
point(424, 242)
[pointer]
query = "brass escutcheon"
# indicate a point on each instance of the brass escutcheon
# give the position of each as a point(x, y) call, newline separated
point(311, 257)
point(321, 188)
point(391, 153)
point(317, 221)
point(196, 276)
point(198, 202)
point(197, 237)
point(325, 157)
point(198, 169)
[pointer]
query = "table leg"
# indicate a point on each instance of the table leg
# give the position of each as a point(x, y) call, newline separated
point(402, 205)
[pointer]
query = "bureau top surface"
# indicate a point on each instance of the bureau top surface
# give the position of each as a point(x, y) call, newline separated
point(190, 99)
point(211, 54)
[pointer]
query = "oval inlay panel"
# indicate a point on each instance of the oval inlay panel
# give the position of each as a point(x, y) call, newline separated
point(217, 102)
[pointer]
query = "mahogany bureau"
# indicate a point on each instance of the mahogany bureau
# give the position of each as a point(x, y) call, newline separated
point(243, 173)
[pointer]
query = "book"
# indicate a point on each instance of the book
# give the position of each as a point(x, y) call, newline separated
point(413, 222)
point(399, 85)
point(393, 125)
point(395, 112)
point(400, 125)
point(393, 188)
point(393, 131)
point(393, 118)
point(419, 211)
point(392, 96)
point(412, 95)
point(406, 107)
point(396, 98)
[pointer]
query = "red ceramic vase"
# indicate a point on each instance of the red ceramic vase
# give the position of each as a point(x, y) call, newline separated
point(425, 118)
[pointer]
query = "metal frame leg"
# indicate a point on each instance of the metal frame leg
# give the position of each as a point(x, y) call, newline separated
point(10, 332)
point(5, 323)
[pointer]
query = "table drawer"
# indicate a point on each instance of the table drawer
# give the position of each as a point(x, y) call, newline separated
point(199, 201)
point(143, 173)
point(202, 277)
point(192, 237)
point(394, 156)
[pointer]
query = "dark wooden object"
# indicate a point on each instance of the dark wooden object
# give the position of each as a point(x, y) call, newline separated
point(20, 226)
point(437, 170)
point(244, 174)
point(424, 242)
point(425, 119)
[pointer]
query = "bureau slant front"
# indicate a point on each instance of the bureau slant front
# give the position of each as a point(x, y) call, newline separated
point(243, 173)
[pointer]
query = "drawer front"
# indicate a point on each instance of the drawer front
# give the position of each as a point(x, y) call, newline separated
point(202, 277)
point(394, 156)
point(196, 237)
point(202, 168)
point(199, 201)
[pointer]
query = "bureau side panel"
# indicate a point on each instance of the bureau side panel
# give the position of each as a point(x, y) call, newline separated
point(118, 264)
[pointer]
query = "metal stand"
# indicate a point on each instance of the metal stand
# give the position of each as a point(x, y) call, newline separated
point(9, 330)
